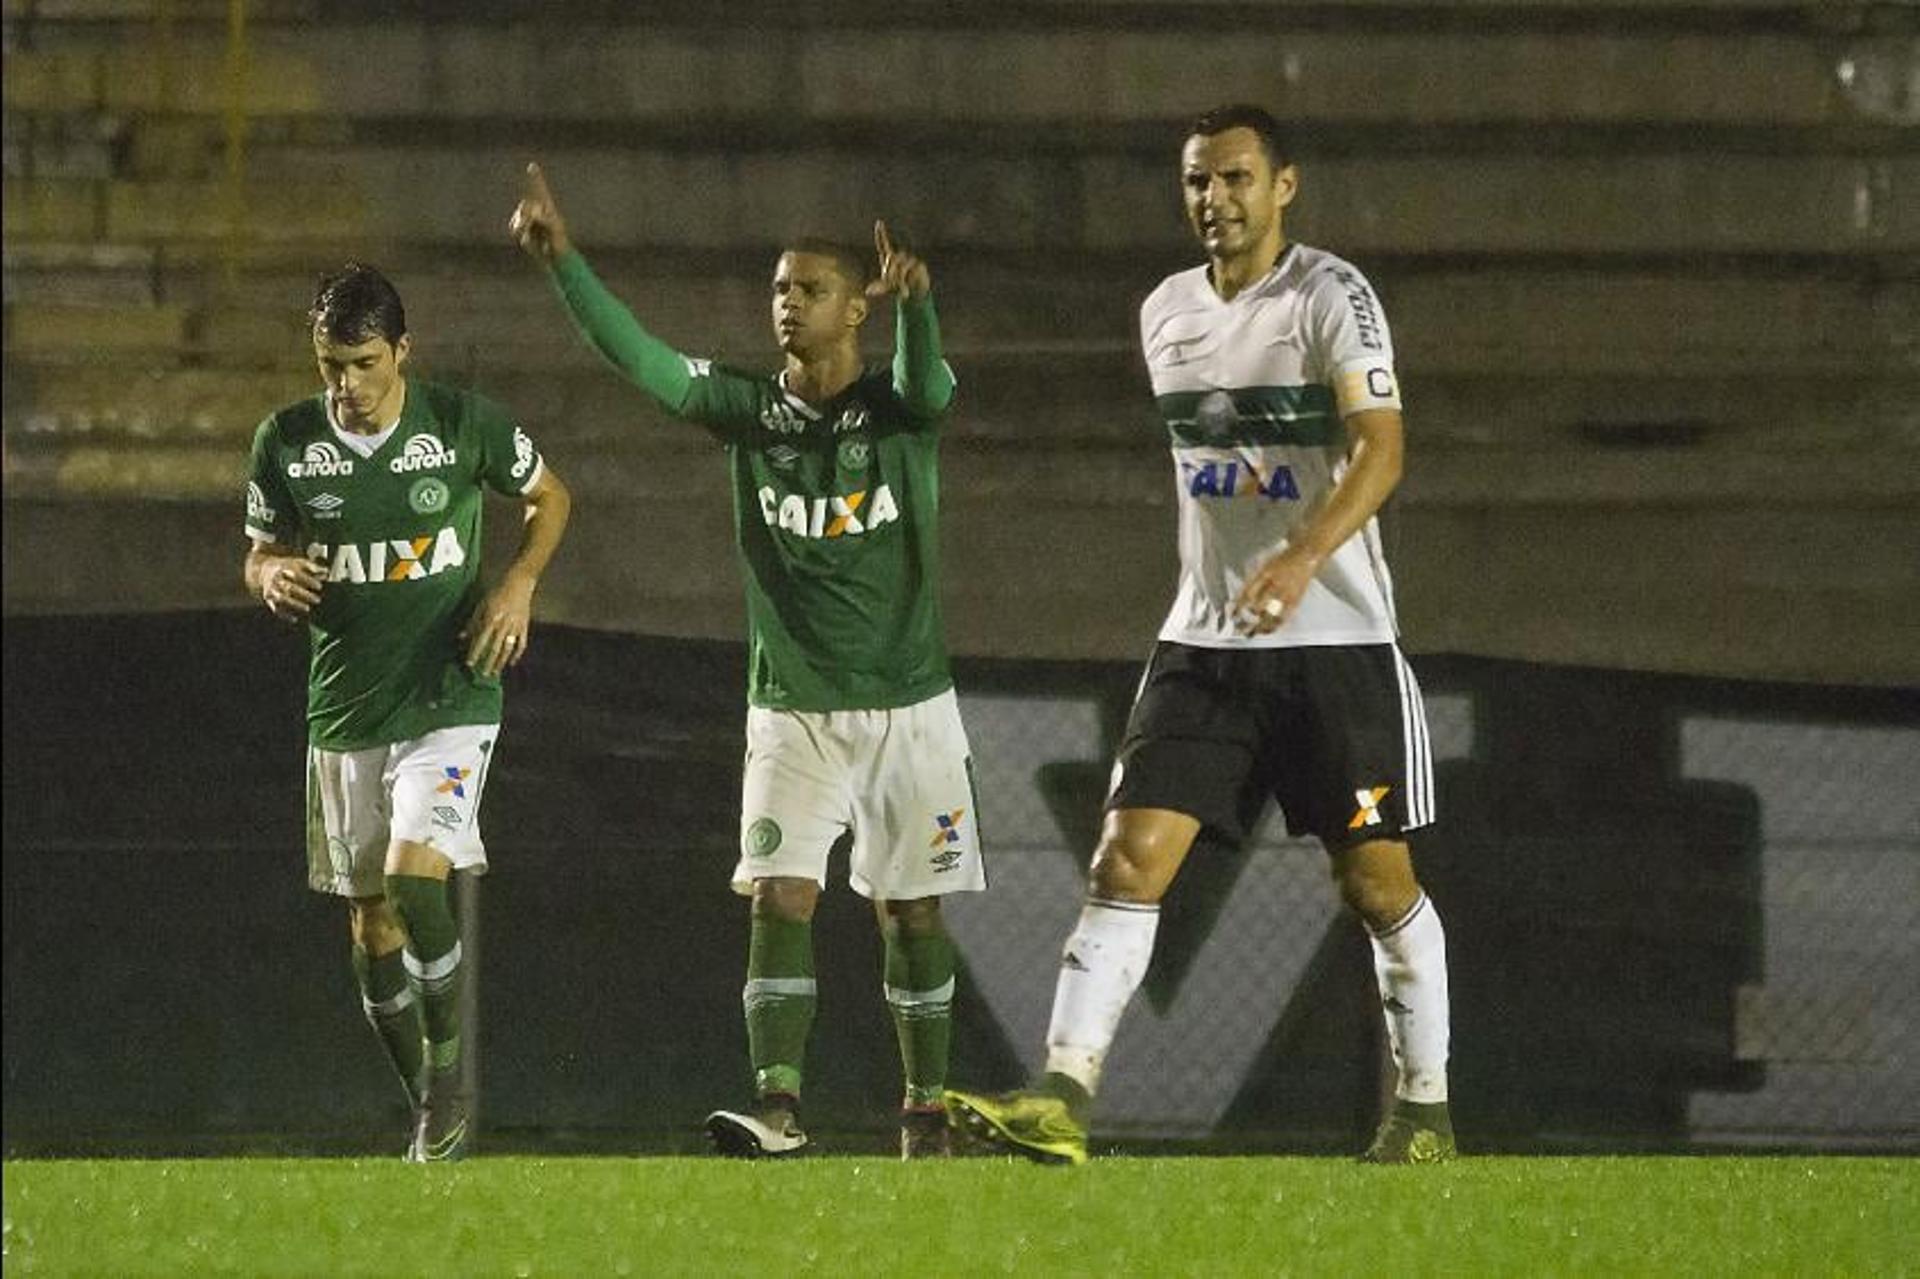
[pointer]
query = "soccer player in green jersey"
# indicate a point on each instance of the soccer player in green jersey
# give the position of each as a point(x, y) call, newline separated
point(852, 724)
point(364, 512)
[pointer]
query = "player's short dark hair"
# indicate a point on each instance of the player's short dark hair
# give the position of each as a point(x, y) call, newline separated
point(851, 265)
point(357, 304)
point(1244, 115)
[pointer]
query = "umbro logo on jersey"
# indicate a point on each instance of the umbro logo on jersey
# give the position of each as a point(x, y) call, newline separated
point(395, 560)
point(1369, 807)
point(422, 453)
point(320, 460)
point(836, 516)
point(326, 506)
point(1239, 478)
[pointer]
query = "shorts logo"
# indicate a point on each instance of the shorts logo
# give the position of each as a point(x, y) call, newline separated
point(445, 817)
point(421, 453)
point(455, 782)
point(763, 837)
point(1369, 811)
point(320, 460)
point(428, 495)
point(947, 832)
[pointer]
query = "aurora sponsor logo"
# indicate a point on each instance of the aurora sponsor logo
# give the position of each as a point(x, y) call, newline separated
point(320, 460)
point(782, 419)
point(392, 560)
point(259, 510)
point(524, 454)
point(422, 453)
point(837, 515)
point(1238, 478)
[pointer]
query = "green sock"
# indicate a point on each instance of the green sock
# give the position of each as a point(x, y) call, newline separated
point(433, 961)
point(919, 991)
point(393, 1013)
point(779, 998)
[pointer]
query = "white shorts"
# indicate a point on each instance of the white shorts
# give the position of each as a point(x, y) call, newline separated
point(900, 780)
point(425, 790)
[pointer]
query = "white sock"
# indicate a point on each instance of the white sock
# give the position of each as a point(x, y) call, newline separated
point(1410, 959)
point(1102, 965)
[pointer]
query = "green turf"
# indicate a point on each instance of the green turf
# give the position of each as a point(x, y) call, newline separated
point(1120, 1216)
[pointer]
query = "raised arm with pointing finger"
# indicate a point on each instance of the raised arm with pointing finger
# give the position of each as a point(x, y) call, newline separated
point(922, 379)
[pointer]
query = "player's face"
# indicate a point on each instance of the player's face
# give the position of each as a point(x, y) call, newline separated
point(1234, 195)
point(814, 307)
point(363, 379)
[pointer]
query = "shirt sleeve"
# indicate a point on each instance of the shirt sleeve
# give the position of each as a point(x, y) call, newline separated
point(1349, 341)
point(687, 387)
point(271, 515)
point(509, 461)
point(921, 378)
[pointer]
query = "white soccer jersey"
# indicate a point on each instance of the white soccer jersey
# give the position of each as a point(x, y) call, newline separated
point(1254, 392)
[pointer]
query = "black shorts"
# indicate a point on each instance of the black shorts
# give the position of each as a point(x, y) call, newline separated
point(1336, 734)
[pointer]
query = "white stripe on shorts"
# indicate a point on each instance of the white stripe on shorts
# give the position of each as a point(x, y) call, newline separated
point(1414, 742)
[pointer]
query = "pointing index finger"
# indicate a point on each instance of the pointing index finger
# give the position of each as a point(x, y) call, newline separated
point(537, 184)
point(882, 242)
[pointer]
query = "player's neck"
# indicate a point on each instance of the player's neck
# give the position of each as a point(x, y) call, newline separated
point(383, 418)
point(818, 378)
point(1230, 276)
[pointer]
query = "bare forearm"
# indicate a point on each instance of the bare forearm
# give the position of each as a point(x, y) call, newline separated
point(1372, 474)
point(546, 523)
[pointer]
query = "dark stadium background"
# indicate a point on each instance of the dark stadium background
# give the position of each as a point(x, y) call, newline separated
point(1651, 267)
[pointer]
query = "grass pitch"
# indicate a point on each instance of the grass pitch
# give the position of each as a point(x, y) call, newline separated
point(853, 1216)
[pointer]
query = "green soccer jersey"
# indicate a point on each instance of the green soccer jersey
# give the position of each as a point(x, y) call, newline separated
point(399, 532)
point(836, 506)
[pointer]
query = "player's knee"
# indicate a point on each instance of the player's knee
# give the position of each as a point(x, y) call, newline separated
point(1123, 870)
point(914, 917)
point(1377, 882)
point(374, 926)
point(785, 898)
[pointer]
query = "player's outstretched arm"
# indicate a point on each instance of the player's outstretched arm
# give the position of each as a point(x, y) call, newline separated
point(920, 376)
point(603, 320)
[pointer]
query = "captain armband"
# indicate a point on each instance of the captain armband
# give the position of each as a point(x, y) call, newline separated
point(1367, 386)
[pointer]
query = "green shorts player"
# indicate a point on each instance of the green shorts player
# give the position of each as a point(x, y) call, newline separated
point(852, 726)
point(364, 511)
